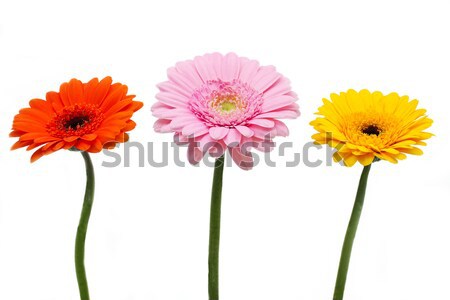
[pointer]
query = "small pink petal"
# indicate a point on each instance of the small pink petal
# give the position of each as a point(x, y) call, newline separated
point(158, 105)
point(284, 114)
point(171, 99)
point(276, 102)
point(281, 128)
point(172, 113)
point(195, 155)
point(265, 78)
point(162, 125)
point(195, 129)
point(218, 133)
point(244, 130)
point(233, 137)
point(217, 150)
point(171, 87)
point(179, 80)
point(262, 132)
point(205, 142)
point(188, 70)
point(293, 107)
point(281, 87)
point(244, 162)
point(248, 70)
point(215, 60)
point(180, 122)
point(203, 68)
point(230, 67)
point(262, 122)
point(180, 139)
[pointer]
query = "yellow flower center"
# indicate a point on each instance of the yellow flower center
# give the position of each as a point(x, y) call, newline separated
point(228, 106)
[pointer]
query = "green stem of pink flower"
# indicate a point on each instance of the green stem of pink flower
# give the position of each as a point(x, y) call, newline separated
point(82, 228)
point(214, 230)
point(350, 236)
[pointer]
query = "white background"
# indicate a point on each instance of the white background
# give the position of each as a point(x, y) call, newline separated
point(282, 228)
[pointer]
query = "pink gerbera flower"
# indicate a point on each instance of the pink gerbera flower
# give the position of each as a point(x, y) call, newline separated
point(217, 102)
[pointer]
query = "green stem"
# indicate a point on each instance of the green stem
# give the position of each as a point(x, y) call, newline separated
point(350, 236)
point(214, 230)
point(82, 228)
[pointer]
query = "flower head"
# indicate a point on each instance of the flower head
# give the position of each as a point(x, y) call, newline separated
point(364, 126)
point(84, 116)
point(215, 102)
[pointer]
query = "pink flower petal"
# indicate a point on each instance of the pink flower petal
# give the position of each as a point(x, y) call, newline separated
point(171, 87)
point(281, 128)
point(170, 112)
point(180, 139)
point(162, 125)
point(265, 78)
point(281, 87)
point(218, 133)
point(172, 99)
point(202, 65)
point(248, 70)
point(180, 80)
point(262, 132)
point(195, 129)
point(244, 130)
point(195, 155)
point(161, 110)
point(262, 122)
point(276, 102)
point(215, 60)
point(181, 122)
point(244, 161)
point(188, 70)
point(205, 142)
point(217, 150)
point(230, 67)
point(233, 137)
point(282, 114)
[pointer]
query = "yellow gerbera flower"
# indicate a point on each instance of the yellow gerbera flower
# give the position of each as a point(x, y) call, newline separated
point(365, 126)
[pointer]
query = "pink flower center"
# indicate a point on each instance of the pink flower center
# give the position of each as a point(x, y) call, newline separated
point(220, 103)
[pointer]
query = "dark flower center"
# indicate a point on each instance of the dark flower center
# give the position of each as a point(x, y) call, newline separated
point(76, 122)
point(372, 129)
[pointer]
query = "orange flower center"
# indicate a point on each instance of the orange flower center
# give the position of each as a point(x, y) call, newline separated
point(75, 120)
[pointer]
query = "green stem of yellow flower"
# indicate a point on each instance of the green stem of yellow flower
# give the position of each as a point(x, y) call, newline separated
point(214, 230)
point(82, 228)
point(350, 236)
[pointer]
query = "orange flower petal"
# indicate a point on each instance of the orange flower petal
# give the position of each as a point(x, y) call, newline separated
point(75, 91)
point(100, 92)
point(63, 94)
point(55, 100)
point(82, 145)
point(89, 137)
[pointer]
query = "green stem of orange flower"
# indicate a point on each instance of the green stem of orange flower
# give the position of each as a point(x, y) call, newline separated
point(82, 228)
point(350, 236)
point(214, 230)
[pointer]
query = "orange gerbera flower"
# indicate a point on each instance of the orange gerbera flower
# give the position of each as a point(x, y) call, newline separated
point(84, 116)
